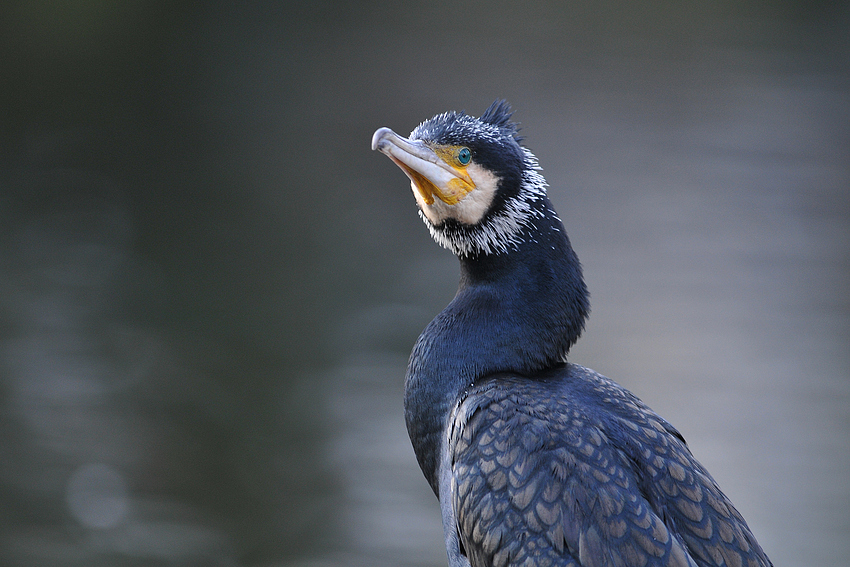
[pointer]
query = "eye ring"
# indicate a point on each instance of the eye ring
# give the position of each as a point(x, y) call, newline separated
point(464, 156)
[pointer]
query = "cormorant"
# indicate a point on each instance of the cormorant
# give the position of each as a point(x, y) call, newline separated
point(536, 461)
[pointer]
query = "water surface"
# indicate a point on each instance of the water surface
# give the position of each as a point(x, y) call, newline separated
point(209, 285)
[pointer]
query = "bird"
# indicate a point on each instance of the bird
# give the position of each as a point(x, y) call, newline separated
point(536, 460)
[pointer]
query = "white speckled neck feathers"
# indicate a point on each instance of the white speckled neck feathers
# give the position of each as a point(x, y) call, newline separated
point(498, 231)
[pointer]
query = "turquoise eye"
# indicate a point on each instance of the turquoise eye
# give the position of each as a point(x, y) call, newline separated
point(464, 156)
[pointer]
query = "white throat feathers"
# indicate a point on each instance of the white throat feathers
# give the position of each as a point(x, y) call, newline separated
point(477, 232)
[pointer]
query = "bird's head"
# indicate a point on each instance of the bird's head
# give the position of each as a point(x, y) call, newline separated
point(477, 188)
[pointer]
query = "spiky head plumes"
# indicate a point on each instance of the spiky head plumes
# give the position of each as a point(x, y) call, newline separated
point(478, 189)
point(511, 199)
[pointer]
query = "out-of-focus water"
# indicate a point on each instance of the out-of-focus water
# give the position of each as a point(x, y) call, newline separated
point(209, 285)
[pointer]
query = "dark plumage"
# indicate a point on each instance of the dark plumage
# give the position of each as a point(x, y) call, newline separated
point(536, 461)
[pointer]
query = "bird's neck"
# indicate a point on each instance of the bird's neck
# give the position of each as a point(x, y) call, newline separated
point(516, 312)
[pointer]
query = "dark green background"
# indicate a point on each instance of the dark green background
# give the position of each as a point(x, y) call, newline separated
point(209, 284)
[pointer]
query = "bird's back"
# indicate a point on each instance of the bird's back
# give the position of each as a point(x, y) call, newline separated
point(569, 468)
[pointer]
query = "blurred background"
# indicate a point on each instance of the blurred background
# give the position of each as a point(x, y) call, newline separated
point(209, 285)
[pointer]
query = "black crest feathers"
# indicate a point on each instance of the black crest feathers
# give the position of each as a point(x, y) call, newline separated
point(499, 114)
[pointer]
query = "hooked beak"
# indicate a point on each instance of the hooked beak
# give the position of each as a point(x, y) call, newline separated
point(430, 174)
